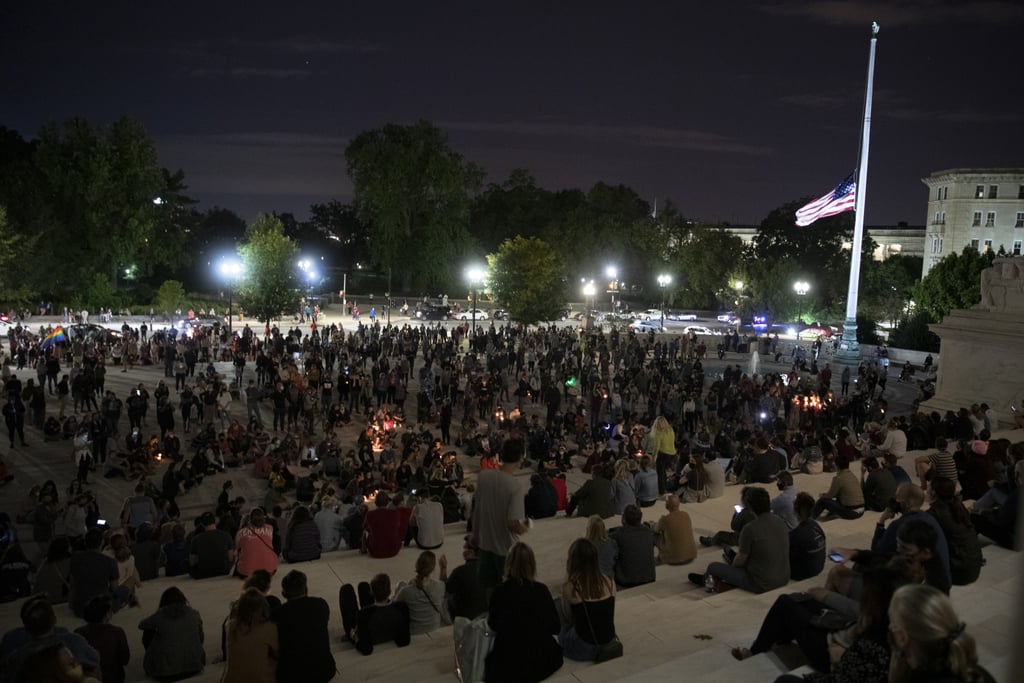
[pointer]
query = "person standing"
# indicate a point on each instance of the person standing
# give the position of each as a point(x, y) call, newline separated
point(304, 644)
point(498, 515)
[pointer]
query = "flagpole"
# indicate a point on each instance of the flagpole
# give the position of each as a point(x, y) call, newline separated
point(849, 349)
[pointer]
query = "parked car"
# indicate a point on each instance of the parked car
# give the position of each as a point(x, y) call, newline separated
point(92, 331)
point(728, 318)
point(649, 314)
point(468, 314)
point(699, 329)
point(432, 312)
point(646, 326)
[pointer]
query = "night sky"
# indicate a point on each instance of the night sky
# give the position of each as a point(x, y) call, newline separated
point(729, 109)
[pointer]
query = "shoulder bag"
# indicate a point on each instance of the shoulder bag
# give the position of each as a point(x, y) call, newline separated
point(606, 651)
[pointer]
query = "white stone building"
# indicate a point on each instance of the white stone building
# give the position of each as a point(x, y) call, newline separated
point(982, 208)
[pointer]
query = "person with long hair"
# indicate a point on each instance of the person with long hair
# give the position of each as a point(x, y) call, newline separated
point(54, 576)
point(173, 638)
point(622, 486)
point(663, 438)
point(251, 641)
point(587, 602)
point(424, 596)
point(929, 642)
point(607, 548)
point(965, 558)
point(302, 538)
point(693, 484)
point(524, 619)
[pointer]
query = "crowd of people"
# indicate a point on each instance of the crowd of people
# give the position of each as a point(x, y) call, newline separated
point(636, 412)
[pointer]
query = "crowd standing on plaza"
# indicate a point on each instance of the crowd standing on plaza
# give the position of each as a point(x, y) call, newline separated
point(636, 412)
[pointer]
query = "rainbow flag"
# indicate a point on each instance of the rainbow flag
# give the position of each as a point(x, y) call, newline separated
point(55, 337)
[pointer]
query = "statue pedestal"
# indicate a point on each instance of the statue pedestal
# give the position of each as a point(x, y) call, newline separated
point(981, 362)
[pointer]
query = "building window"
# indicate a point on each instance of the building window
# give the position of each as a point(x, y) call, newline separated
point(1020, 192)
point(1016, 247)
point(938, 215)
point(979, 192)
point(988, 246)
point(977, 219)
point(945, 192)
point(940, 245)
point(975, 244)
point(943, 218)
point(1019, 223)
point(990, 219)
point(993, 191)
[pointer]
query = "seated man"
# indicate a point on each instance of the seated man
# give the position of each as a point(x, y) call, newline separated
point(762, 562)
point(595, 496)
point(634, 562)
point(376, 619)
point(782, 504)
point(938, 464)
point(844, 497)
point(675, 534)
point(806, 541)
point(878, 484)
point(211, 550)
point(542, 499)
point(384, 528)
point(741, 516)
point(464, 595)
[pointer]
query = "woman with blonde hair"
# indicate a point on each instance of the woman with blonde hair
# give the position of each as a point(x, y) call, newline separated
point(607, 548)
point(929, 642)
point(525, 621)
point(622, 486)
point(252, 641)
point(424, 597)
point(663, 439)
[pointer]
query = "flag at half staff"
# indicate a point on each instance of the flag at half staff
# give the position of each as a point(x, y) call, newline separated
point(842, 198)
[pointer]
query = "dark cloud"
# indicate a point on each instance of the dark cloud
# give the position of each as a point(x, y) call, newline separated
point(899, 12)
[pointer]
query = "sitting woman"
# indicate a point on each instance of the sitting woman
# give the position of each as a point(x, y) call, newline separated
point(302, 539)
point(251, 641)
point(424, 597)
point(588, 604)
point(173, 638)
point(928, 639)
point(524, 619)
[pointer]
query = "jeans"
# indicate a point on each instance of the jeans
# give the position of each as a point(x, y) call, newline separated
point(835, 508)
point(573, 646)
point(734, 576)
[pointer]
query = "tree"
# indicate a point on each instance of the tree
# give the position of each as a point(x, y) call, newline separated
point(888, 286)
point(528, 278)
point(415, 191)
point(707, 258)
point(170, 297)
point(954, 282)
point(268, 258)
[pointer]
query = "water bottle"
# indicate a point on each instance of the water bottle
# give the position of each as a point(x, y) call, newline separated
point(709, 583)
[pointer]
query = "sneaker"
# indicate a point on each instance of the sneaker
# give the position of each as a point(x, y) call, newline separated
point(696, 579)
point(706, 541)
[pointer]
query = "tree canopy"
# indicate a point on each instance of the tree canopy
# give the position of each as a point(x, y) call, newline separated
point(268, 283)
point(954, 282)
point(528, 278)
point(415, 191)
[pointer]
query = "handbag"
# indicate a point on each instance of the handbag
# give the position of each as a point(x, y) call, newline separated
point(605, 651)
point(473, 642)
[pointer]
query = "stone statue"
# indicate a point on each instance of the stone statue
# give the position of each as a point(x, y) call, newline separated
point(1002, 286)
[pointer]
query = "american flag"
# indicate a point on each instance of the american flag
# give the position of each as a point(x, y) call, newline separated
point(842, 198)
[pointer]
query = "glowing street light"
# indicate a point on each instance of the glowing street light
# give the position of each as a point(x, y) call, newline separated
point(801, 288)
point(230, 269)
point(476, 276)
point(663, 281)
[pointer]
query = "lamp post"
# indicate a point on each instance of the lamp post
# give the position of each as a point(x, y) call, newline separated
point(588, 293)
point(230, 269)
point(476, 277)
point(801, 288)
point(613, 282)
point(663, 282)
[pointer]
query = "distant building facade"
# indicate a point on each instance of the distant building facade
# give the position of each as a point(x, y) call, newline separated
point(981, 208)
point(891, 239)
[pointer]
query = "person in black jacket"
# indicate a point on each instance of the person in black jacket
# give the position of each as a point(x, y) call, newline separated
point(305, 645)
point(379, 620)
point(542, 498)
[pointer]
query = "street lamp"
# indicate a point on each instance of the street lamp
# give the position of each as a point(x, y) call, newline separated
point(801, 288)
point(476, 276)
point(589, 290)
point(663, 282)
point(613, 285)
point(230, 269)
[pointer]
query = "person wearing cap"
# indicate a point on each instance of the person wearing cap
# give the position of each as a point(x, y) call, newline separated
point(211, 551)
